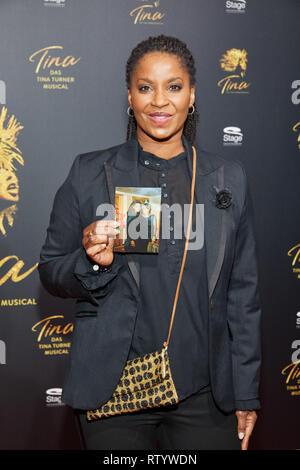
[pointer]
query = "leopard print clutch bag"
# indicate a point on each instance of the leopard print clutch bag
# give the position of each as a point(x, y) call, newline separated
point(146, 382)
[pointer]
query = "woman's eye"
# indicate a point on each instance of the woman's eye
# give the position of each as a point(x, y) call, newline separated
point(142, 88)
point(173, 87)
point(177, 87)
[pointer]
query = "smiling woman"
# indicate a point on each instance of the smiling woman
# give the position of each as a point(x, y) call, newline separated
point(160, 95)
point(122, 391)
point(161, 91)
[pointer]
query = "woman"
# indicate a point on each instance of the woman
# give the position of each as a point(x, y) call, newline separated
point(124, 304)
point(148, 227)
point(133, 211)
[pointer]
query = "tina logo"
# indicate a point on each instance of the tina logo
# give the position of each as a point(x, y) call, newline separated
point(147, 13)
point(294, 253)
point(291, 372)
point(296, 128)
point(234, 61)
point(10, 156)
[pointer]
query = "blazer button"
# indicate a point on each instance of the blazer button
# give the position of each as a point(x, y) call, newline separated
point(211, 303)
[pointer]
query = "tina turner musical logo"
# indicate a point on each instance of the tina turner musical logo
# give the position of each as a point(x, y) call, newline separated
point(291, 372)
point(234, 62)
point(294, 253)
point(147, 12)
point(53, 66)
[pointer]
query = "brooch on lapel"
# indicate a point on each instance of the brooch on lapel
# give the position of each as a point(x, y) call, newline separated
point(223, 197)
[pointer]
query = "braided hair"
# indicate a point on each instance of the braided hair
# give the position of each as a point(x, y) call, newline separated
point(171, 45)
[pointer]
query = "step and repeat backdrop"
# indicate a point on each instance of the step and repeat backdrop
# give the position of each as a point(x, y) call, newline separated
point(63, 92)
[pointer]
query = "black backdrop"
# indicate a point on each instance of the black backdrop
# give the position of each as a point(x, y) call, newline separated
point(62, 92)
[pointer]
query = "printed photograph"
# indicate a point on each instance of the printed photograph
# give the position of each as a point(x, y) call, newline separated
point(138, 212)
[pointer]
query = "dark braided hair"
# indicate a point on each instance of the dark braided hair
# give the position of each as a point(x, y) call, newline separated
point(170, 45)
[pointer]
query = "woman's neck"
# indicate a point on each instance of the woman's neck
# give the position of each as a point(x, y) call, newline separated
point(163, 149)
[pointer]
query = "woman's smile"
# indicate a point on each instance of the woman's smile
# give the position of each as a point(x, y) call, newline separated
point(160, 119)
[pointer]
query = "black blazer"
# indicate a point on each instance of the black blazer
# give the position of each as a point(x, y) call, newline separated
point(107, 302)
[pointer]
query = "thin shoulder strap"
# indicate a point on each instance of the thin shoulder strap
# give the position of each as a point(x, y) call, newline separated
point(185, 247)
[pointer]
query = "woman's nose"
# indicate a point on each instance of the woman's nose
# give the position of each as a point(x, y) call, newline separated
point(159, 98)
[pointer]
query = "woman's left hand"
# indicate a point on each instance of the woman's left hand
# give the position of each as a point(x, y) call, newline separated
point(246, 423)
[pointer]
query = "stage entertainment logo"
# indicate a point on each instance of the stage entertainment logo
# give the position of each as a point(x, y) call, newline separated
point(234, 60)
point(54, 3)
point(294, 252)
point(296, 128)
point(147, 13)
point(291, 372)
point(53, 335)
point(50, 63)
point(232, 135)
point(238, 6)
point(53, 397)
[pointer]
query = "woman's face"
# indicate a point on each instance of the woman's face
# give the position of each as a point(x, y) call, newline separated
point(137, 207)
point(145, 210)
point(159, 84)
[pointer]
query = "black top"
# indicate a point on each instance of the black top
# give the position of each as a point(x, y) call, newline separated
point(159, 273)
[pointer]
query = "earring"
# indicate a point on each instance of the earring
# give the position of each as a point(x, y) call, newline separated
point(192, 111)
point(128, 112)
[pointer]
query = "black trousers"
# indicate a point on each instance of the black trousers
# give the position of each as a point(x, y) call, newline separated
point(195, 423)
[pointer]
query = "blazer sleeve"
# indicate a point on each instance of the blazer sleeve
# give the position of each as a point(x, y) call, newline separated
point(244, 311)
point(64, 268)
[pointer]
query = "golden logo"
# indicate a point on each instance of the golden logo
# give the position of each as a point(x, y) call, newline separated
point(235, 60)
point(292, 373)
point(295, 253)
point(9, 154)
point(296, 128)
point(14, 271)
point(147, 13)
point(52, 67)
point(51, 333)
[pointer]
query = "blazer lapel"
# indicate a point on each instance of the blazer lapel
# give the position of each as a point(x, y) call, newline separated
point(209, 173)
point(125, 173)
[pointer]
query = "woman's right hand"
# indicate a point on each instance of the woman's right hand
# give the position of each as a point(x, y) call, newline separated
point(98, 241)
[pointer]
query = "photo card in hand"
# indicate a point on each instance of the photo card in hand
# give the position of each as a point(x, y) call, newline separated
point(138, 210)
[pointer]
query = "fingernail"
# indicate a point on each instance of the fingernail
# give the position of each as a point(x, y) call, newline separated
point(241, 435)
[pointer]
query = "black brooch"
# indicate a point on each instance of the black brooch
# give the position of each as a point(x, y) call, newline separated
point(223, 198)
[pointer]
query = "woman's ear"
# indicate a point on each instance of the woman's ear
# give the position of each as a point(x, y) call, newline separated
point(192, 95)
point(129, 97)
